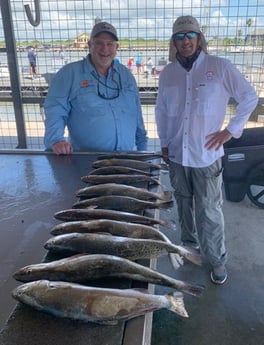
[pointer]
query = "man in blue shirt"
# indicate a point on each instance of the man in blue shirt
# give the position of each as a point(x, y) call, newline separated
point(32, 58)
point(97, 100)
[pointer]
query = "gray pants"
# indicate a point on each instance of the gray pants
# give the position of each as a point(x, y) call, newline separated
point(198, 193)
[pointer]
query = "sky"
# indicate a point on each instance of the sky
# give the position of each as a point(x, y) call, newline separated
point(65, 19)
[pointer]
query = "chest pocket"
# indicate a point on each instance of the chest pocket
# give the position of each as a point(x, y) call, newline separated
point(174, 100)
point(206, 98)
point(87, 101)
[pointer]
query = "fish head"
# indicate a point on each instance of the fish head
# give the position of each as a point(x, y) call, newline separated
point(61, 242)
point(23, 274)
point(27, 293)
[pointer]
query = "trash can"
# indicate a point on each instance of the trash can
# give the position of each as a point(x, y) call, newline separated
point(243, 158)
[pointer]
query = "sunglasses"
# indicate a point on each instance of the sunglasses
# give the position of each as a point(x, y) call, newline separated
point(109, 92)
point(180, 36)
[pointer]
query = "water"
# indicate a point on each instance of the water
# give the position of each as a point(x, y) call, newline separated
point(48, 61)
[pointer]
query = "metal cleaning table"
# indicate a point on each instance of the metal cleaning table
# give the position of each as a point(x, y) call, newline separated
point(33, 187)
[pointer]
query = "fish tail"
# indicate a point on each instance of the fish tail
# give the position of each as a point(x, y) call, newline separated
point(166, 204)
point(194, 290)
point(177, 304)
point(166, 196)
point(190, 255)
point(176, 260)
point(163, 166)
point(166, 224)
point(195, 258)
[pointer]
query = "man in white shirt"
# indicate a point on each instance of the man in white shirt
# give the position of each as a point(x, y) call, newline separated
point(194, 91)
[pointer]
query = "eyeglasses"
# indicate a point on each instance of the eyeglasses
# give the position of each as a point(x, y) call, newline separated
point(180, 36)
point(114, 90)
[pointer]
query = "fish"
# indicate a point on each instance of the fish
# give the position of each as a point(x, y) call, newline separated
point(82, 268)
point(92, 304)
point(89, 214)
point(116, 169)
point(121, 179)
point(121, 189)
point(131, 163)
point(130, 155)
point(117, 228)
point(121, 203)
point(128, 248)
point(114, 227)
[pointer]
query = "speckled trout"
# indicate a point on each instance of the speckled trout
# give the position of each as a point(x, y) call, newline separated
point(121, 179)
point(89, 214)
point(121, 203)
point(131, 155)
point(82, 268)
point(131, 163)
point(116, 169)
point(114, 227)
point(91, 304)
point(121, 189)
point(117, 228)
point(128, 248)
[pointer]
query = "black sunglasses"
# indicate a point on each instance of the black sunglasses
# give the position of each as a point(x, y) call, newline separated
point(115, 90)
point(180, 36)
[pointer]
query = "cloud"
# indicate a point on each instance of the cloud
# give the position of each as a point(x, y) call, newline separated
point(64, 20)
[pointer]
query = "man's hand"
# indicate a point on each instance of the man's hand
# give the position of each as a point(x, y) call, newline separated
point(217, 139)
point(62, 148)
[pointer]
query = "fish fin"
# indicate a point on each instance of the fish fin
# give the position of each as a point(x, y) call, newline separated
point(176, 260)
point(92, 207)
point(177, 304)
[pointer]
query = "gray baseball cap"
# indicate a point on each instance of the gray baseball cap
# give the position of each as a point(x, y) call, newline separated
point(186, 23)
point(104, 27)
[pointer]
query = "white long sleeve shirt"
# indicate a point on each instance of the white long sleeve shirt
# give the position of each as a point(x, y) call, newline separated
point(192, 104)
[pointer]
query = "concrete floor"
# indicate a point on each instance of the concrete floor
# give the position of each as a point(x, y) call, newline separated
point(232, 314)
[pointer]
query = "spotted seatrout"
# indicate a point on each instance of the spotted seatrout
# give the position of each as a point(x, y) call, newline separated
point(131, 155)
point(117, 228)
point(114, 227)
point(121, 189)
point(90, 304)
point(89, 214)
point(131, 163)
point(121, 179)
point(121, 203)
point(116, 169)
point(128, 248)
point(82, 268)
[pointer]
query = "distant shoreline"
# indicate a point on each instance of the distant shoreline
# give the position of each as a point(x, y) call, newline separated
point(211, 48)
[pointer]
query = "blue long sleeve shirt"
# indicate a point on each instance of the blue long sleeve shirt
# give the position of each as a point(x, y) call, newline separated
point(101, 113)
